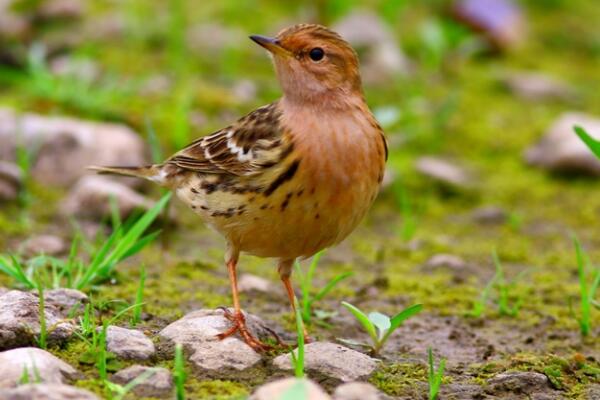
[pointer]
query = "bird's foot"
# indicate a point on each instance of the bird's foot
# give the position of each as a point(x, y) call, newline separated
point(239, 325)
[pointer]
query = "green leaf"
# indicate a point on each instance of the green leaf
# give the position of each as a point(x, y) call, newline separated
point(592, 143)
point(364, 321)
point(298, 391)
point(399, 318)
point(381, 321)
point(330, 285)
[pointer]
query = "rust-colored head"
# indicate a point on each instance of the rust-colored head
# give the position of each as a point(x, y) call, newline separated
point(313, 63)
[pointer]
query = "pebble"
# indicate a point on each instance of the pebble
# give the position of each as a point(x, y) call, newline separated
point(209, 356)
point(66, 301)
point(11, 180)
point(129, 344)
point(443, 171)
point(518, 382)
point(536, 86)
point(331, 363)
point(39, 364)
point(490, 215)
point(49, 245)
point(254, 283)
point(46, 391)
point(280, 389)
point(561, 150)
point(159, 384)
point(19, 321)
point(357, 391)
point(91, 198)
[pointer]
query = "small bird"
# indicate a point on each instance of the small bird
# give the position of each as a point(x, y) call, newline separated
point(292, 177)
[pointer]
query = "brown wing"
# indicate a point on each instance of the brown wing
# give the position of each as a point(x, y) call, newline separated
point(253, 143)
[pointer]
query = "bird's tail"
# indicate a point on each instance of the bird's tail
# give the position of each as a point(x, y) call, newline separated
point(150, 172)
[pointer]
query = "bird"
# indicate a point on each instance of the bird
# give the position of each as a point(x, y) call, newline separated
point(292, 177)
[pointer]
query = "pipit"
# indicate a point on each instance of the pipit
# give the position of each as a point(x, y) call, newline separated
point(292, 177)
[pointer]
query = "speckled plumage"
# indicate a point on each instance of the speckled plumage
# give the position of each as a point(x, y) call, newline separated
point(292, 177)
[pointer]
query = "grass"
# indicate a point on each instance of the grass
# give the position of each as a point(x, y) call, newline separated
point(379, 326)
point(306, 286)
point(298, 359)
point(42, 341)
point(435, 377)
point(179, 374)
point(587, 290)
point(125, 241)
point(594, 145)
point(118, 392)
point(139, 297)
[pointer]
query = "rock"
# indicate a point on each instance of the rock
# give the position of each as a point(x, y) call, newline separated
point(80, 69)
point(244, 91)
point(91, 198)
point(39, 364)
point(381, 57)
point(129, 344)
point(443, 172)
point(490, 215)
point(66, 301)
point(452, 264)
point(330, 363)
point(61, 9)
point(159, 384)
point(213, 38)
point(278, 389)
point(66, 146)
point(593, 392)
point(500, 21)
point(19, 321)
point(49, 245)
point(253, 283)
point(536, 87)
point(561, 150)
point(11, 181)
point(518, 383)
point(209, 356)
point(13, 25)
point(3, 290)
point(357, 391)
point(46, 391)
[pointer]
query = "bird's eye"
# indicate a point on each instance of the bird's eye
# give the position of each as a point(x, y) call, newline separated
point(316, 54)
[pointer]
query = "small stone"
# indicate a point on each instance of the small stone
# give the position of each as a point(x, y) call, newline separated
point(244, 91)
point(490, 215)
point(10, 181)
point(66, 301)
point(20, 321)
point(278, 389)
point(253, 283)
point(49, 245)
point(331, 363)
point(81, 69)
point(518, 383)
point(47, 391)
point(129, 344)
point(209, 356)
point(213, 38)
point(536, 86)
point(446, 261)
point(443, 172)
point(381, 57)
point(158, 384)
point(91, 198)
point(593, 392)
point(357, 391)
point(500, 21)
point(61, 9)
point(561, 150)
point(461, 391)
point(39, 364)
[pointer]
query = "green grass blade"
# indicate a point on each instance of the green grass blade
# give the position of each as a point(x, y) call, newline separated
point(594, 145)
point(584, 320)
point(364, 321)
point(399, 318)
point(331, 284)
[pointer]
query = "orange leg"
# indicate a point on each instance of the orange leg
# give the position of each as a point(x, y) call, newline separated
point(284, 274)
point(237, 317)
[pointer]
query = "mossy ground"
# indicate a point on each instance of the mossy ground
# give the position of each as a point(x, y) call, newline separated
point(456, 108)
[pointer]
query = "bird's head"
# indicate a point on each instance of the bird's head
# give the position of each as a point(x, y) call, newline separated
point(313, 63)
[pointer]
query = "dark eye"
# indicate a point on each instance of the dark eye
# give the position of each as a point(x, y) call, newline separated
point(316, 54)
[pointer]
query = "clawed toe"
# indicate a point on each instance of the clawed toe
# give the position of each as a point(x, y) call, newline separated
point(239, 325)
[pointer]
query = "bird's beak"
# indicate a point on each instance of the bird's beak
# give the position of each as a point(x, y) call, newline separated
point(271, 44)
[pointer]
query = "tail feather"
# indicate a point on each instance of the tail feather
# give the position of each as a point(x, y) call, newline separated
point(150, 172)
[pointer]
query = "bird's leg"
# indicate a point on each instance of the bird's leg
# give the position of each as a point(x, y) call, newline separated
point(237, 317)
point(285, 272)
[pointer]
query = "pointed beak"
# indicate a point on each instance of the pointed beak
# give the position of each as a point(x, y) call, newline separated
point(271, 44)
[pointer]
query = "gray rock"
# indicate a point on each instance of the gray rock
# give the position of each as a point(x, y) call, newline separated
point(459, 391)
point(49, 245)
point(61, 9)
point(455, 265)
point(278, 389)
point(381, 57)
point(518, 383)
point(253, 283)
point(39, 364)
point(443, 172)
point(536, 86)
point(46, 391)
point(244, 91)
point(90, 198)
point(19, 321)
point(330, 363)
point(490, 215)
point(66, 301)
point(593, 392)
point(10, 181)
point(13, 25)
point(158, 384)
point(357, 391)
point(209, 356)
point(560, 150)
point(500, 21)
point(66, 146)
point(129, 344)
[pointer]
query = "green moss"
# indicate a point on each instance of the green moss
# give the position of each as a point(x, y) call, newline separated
point(215, 389)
